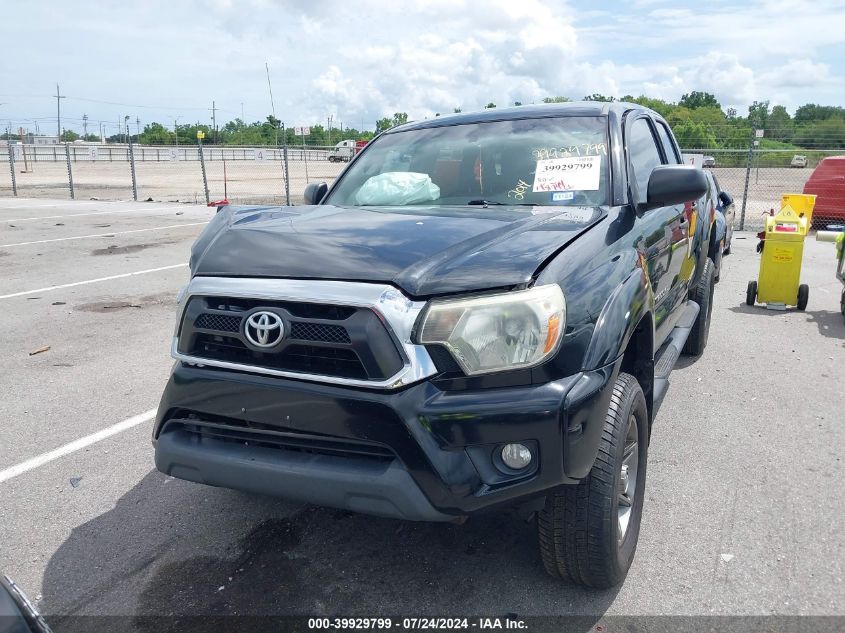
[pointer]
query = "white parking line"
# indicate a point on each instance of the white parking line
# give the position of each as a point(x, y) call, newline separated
point(79, 215)
point(112, 234)
point(72, 447)
point(90, 281)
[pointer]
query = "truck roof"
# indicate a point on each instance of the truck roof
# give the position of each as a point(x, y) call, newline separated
point(538, 111)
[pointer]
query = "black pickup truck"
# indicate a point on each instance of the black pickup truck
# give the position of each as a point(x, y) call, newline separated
point(481, 312)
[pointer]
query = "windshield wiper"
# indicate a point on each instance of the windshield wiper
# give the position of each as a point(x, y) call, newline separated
point(485, 202)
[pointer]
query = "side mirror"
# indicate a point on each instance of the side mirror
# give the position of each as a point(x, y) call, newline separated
point(315, 192)
point(674, 184)
point(726, 198)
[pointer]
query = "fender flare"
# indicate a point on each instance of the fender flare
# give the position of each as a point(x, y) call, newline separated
point(619, 318)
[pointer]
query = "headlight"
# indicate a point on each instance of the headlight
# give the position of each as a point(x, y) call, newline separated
point(498, 332)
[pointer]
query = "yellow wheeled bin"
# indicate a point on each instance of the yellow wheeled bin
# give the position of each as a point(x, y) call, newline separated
point(778, 284)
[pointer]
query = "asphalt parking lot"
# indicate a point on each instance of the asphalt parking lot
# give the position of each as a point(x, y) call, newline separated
point(744, 502)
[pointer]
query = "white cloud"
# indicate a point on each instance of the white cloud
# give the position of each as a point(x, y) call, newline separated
point(363, 60)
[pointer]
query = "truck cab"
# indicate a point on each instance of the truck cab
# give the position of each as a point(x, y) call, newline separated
point(343, 152)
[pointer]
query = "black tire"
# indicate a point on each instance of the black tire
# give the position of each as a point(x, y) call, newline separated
point(751, 293)
point(579, 526)
point(803, 296)
point(842, 303)
point(702, 294)
point(718, 262)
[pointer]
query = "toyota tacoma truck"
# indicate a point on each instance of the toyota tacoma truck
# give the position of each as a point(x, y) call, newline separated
point(481, 312)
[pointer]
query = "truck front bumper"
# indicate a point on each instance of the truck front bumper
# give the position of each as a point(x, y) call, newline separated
point(420, 453)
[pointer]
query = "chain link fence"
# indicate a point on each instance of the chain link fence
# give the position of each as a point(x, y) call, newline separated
point(771, 173)
point(278, 175)
point(192, 173)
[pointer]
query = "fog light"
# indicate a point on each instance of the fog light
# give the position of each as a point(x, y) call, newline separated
point(516, 456)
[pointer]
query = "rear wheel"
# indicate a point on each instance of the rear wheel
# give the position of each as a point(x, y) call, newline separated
point(702, 294)
point(803, 296)
point(751, 293)
point(588, 532)
point(720, 251)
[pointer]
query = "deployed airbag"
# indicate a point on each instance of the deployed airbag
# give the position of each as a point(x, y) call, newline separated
point(395, 188)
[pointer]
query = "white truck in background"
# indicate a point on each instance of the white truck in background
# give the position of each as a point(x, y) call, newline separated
point(343, 152)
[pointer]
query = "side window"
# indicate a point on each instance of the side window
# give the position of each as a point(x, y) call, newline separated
point(643, 153)
point(669, 147)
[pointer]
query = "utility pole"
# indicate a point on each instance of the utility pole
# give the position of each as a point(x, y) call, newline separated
point(329, 120)
point(176, 129)
point(85, 124)
point(59, 98)
point(138, 127)
point(214, 119)
point(272, 105)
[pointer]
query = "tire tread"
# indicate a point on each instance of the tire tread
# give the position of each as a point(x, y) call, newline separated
point(573, 541)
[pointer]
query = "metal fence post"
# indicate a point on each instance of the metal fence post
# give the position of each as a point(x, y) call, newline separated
point(69, 171)
point(747, 178)
point(132, 168)
point(287, 174)
point(204, 176)
point(12, 167)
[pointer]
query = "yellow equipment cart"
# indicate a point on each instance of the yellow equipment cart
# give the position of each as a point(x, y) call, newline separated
point(783, 249)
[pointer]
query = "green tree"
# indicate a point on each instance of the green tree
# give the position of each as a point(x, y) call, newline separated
point(69, 136)
point(811, 112)
point(694, 135)
point(517, 103)
point(758, 114)
point(780, 126)
point(696, 99)
point(155, 133)
point(456, 110)
point(490, 105)
point(597, 97)
point(400, 118)
point(658, 105)
point(558, 99)
point(383, 125)
point(825, 134)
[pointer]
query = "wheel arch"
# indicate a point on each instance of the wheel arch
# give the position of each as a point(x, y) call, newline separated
point(638, 360)
point(620, 318)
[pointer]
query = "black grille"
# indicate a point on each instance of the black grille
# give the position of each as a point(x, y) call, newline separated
point(255, 434)
point(321, 340)
point(322, 332)
point(306, 359)
point(218, 322)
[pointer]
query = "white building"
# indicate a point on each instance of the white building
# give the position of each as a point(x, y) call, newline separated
point(42, 139)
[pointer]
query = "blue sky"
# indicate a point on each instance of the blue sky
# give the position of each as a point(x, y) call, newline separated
point(358, 61)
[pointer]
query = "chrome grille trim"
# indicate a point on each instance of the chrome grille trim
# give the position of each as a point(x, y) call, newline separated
point(398, 312)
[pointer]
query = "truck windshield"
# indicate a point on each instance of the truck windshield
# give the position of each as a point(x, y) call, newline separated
point(549, 161)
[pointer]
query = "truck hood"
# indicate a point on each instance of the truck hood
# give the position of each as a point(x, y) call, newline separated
point(424, 251)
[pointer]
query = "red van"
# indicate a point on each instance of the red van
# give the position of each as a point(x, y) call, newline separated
point(828, 183)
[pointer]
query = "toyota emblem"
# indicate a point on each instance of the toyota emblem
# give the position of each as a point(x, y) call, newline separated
point(264, 329)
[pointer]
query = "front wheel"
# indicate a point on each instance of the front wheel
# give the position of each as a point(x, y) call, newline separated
point(588, 532)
